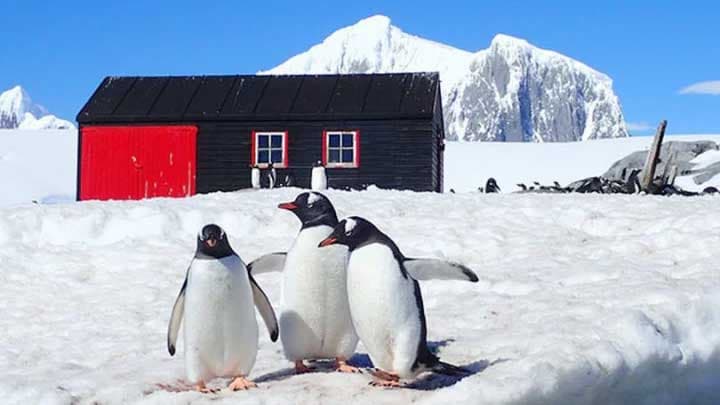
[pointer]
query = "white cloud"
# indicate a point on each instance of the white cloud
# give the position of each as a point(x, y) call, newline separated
point(709, 87)
point(638, 126)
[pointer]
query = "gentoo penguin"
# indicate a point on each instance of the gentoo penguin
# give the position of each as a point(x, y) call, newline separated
point(386, 303)
point(272, 176)
point(255, 177)
point(216, 302)
point(491, 186)
point(315, 317)
point(318, 180)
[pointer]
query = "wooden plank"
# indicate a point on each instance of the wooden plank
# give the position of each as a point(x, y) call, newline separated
point(653, 157)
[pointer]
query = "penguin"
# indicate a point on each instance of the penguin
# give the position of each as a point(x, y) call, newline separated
point(522, 186)
point(386, 303)
point(318, 181)
point(216, 304)
point(272, 176)
point(289, 180)
point(255, 177)
point(491, 186)
point(315, 316)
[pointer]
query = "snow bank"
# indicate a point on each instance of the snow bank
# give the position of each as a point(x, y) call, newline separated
point(582, 299)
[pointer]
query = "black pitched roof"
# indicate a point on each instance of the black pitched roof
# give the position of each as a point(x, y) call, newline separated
point(307, 97)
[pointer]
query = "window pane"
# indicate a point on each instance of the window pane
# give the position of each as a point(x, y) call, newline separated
point(276, 141)
point(263, 141)
point(347, 140)
point(263, 156)
point(347, 155)
point(334, 141)
point(276, 155)
point(334, 156)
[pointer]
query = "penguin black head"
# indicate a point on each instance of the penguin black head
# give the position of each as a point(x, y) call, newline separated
point(491, 186)
point(312, 209)
point(352, 232)
point(212, 241)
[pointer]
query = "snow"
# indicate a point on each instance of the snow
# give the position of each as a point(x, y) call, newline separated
point(37, 165)
point(582, 298)
point(49, 121)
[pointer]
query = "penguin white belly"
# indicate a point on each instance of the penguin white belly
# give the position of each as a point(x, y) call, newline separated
point(221, 333)
point(318, 179)
point(384, 309)
point(315, 319)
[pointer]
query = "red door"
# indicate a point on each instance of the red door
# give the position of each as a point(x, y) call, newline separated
point(130, 163)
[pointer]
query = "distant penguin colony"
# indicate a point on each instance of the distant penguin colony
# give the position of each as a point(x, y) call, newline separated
point(216, 304)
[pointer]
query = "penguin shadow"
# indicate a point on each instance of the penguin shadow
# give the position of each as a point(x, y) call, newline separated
point(434, 381)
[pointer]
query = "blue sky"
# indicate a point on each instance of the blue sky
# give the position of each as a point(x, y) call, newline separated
point(59, 51)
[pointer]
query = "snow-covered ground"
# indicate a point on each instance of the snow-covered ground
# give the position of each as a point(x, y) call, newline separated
point(582, 299)
point(37, 165)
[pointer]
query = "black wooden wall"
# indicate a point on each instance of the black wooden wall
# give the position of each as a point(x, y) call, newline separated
point(399, 154)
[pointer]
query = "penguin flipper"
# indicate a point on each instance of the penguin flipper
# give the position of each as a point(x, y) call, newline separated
point(176, 317)
point(436, 269)
point(265, 308)
point(269, 263)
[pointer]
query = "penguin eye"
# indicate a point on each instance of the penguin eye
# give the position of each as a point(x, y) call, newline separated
point(222, 234)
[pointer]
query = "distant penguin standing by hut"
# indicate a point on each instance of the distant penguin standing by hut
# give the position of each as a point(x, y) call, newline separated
point(272, 176)
point(255, 176)
point(318, 181)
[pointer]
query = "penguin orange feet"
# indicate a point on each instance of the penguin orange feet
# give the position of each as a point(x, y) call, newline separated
point(342, 366)
point(201, 387)
point(241, 383)
point(385, 379)
point(301, 368)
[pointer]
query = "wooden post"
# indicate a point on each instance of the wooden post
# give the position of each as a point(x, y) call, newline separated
point(653, 157)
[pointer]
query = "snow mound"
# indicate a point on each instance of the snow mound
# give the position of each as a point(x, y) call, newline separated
point(511, 91)
point(578, 301)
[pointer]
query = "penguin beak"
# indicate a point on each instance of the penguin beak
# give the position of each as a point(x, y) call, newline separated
point(328, 241)
point(211, 242)
point(290, 206)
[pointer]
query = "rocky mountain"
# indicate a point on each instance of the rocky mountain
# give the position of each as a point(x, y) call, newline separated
point(511, 91)
point(17, 110)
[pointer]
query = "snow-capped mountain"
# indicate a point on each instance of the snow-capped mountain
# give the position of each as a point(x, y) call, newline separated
point(511, 91)
point(17, 110)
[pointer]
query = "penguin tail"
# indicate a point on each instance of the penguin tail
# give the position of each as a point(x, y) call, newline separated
point(449, 369)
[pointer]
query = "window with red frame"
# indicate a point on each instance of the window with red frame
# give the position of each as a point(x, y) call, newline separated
point(270, 147)
point(341, 149)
